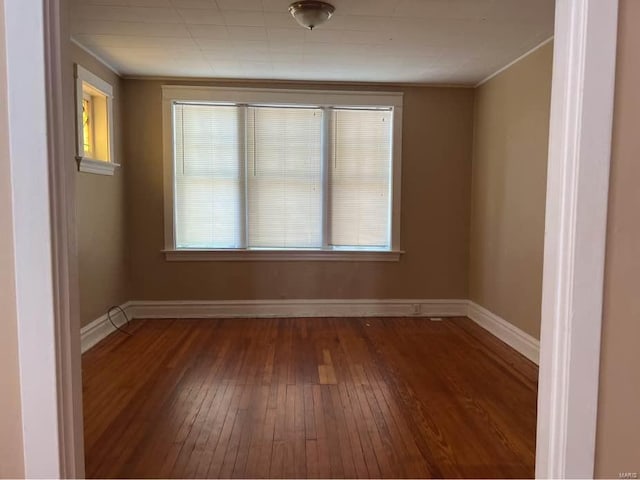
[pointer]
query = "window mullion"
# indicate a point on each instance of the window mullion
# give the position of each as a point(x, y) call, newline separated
point(242, 140)
point(326, 142)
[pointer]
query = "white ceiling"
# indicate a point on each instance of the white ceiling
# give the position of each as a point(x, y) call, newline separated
point(416, 41)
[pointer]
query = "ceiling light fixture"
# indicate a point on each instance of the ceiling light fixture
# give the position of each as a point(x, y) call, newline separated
point(310, 13)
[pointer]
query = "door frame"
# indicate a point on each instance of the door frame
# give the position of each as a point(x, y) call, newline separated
point(62, 176)
point(43, 198)
point(580, 131)
point(29, 156)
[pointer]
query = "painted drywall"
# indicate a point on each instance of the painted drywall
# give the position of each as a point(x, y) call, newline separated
point(11, 455)
point(101, 214)
point(509, 177)
point(437, 137)
point(618, 427)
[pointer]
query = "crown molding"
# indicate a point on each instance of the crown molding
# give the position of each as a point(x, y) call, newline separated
point(513, 62)
point(97, 57)
point(310, 83)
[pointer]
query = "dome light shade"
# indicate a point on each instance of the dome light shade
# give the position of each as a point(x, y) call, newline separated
point(310, 14)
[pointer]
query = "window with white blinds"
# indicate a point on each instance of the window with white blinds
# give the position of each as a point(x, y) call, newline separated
point(276, 176)
point(209, 179)
point(284, 177)
point(360, 178)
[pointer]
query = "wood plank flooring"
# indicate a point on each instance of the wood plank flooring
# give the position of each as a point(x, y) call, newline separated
point(316, 398)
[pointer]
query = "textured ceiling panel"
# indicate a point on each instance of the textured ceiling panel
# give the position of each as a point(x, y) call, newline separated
point(416, 41)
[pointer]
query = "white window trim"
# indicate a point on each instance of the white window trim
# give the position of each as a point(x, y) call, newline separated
point(99, 167)
point(267, 255)
point(320, 98)
point(87, 164)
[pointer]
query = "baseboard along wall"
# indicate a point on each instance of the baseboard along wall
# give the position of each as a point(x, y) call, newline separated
point(505, 331)
point(100, 328)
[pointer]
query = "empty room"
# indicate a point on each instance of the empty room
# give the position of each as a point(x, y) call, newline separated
point(341, 239)
point(317, 249)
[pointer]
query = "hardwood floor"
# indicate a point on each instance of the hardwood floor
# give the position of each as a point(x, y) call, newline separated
point(255, 398)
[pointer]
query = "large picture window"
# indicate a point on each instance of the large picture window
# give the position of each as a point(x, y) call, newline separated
point(281, 174)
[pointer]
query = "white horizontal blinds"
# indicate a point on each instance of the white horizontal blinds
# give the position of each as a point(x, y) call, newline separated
point(284, 181)
point(360, 177)
point(208, 176)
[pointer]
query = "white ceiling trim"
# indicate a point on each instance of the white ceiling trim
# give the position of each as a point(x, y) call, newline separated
point(262, 81)
point(513, 62)
point(271, 81)
point(307, 82)
point(97, 57)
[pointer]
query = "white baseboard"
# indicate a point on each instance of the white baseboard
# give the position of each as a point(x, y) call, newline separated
point(297, 308)
point(101, 327)
point(505, 331)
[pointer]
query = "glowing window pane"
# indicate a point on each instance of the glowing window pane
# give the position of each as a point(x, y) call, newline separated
point(87, 127)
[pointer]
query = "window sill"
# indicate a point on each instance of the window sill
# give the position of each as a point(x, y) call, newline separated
point(99, 167)
point(281, 255)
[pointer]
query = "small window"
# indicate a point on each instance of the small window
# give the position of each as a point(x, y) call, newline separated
point(95, 123)
point(87, 125)
point(287, 175)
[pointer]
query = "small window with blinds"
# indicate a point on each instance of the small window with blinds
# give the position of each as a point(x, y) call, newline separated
point(264, 172)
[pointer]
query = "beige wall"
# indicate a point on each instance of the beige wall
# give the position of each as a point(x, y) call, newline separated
point(11, 457)
point(508, 190)
point(618, 429)
point(101, 213)
point(435, 214)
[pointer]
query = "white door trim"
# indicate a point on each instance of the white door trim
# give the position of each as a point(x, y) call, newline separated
point(62, 174)
point(28, 157)
point(582, 101)
point(577, 189)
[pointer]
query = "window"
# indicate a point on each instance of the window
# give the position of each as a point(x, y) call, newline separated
point(87, 124)
point(94, 120)
point(265, 174)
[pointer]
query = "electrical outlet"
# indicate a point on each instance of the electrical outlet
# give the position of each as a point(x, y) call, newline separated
point(416, 309)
